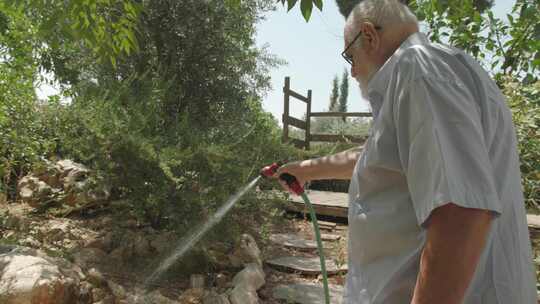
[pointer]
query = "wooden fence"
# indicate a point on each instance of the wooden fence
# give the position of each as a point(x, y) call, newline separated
point(305, 125)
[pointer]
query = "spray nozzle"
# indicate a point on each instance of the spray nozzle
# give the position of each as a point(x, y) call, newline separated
point(270, 170)
point(289, 179)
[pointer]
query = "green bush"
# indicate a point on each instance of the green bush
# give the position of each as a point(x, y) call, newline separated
point(524, 101)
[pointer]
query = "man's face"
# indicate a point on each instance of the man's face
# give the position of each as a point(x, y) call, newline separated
point(362, 66)
point(359, 69)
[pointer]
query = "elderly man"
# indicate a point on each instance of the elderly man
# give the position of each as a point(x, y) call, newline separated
point(436, 210)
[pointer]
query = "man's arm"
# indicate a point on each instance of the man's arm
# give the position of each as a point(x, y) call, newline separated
point(335, 166)
point(456, 237)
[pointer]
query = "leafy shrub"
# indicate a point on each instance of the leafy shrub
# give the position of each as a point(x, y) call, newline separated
point(524, 101)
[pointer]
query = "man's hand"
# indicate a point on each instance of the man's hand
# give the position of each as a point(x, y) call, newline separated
point(300, 170)
point(456, 237)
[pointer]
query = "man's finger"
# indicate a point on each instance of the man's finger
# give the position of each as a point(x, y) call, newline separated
point(284, 185)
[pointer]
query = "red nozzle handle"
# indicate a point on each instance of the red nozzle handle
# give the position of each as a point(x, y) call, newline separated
point(270, 170)
point(292, 182)
point(289, 179)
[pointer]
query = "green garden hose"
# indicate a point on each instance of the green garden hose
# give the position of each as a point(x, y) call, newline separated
point(319, 246)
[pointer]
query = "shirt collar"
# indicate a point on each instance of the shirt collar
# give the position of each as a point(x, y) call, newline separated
point(379, 82)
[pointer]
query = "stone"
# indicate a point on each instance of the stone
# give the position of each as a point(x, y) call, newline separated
point(213, 297)
point(307, 293)
point(246, 251)
point(293, 241)
point(117, 290)
point(48, 173)
point(96, 277)
point(305, 265)
point(341, 227)
point(98, 294)
point(157, 298)
point(191, 296)
point(58, 231)
point(242, 295)
point(27, 278)
point(197, 281)
point(222, 280)
point(251, 277)
point(33, 191)
point(88, 257)
point(330, 237)
point(30, 242)
point(71, 173)
point(327, 224)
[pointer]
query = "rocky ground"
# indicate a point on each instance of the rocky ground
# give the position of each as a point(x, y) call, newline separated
point(51, 258)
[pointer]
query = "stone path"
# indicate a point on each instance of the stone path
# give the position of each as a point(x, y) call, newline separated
point(306, 266)
point(307, 293)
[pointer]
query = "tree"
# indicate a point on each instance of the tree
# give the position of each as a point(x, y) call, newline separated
point(344, 93)
point(346, 6)
point(332, 106)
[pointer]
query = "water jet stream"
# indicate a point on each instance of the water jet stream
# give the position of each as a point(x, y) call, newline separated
point(192, 238)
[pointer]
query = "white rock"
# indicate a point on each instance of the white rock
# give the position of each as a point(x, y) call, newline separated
point(241, 295)
point(251, 277)
point(26, 279)
point(246, 251)
point(32, 190)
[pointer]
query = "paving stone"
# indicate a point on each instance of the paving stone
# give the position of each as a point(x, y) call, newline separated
point(342, 227)
point(327, 224)
point(330, 237)
point(293, 241)
point(305, 265)
point(307, 293)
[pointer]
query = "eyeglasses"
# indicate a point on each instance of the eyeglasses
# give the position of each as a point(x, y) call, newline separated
point(348, 57)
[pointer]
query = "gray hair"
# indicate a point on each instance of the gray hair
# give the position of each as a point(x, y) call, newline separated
point(383, 13)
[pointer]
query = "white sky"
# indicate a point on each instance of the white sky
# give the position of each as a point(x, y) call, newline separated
point(312, 51)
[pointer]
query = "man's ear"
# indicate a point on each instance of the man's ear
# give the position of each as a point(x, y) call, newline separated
point(371, 39)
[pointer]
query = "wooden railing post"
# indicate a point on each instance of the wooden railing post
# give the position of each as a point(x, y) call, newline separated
point(308, 119)
point(286, 109)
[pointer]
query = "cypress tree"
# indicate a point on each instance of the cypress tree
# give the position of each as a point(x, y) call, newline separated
point(344, 93)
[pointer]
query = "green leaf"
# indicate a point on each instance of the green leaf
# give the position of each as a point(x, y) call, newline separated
point(306, 6)
point(291, 4)
point(318, 4)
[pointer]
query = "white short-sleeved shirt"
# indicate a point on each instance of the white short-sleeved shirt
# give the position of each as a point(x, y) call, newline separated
point(441, 133)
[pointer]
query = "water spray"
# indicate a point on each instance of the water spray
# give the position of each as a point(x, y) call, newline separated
point(193, 237)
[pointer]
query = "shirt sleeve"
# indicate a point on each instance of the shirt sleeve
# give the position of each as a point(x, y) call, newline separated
point(442, 147)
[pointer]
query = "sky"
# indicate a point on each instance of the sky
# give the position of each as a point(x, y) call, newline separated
point(312, 52)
